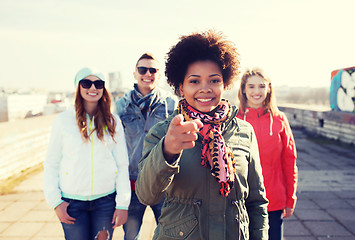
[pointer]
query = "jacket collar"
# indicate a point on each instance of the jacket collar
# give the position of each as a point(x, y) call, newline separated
point(259, 111)
point(128, 97)
point(251, 112)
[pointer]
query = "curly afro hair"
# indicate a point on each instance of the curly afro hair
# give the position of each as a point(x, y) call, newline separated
point(209, 45)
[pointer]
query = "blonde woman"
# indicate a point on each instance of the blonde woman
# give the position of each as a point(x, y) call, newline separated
point(277, 147)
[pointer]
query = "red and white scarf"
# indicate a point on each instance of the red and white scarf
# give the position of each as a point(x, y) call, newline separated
point(215, 154)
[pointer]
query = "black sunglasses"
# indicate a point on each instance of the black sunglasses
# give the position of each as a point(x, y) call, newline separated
point(143, 70)
point(86, 83)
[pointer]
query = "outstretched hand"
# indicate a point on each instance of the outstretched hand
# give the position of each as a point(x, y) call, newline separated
point(181, 135)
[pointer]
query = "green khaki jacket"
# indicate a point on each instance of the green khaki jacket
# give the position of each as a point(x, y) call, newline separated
point(193, 207)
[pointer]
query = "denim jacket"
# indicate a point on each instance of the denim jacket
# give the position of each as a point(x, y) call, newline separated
point(136, 127)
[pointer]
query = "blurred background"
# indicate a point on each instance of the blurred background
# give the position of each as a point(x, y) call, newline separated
point(43, 43)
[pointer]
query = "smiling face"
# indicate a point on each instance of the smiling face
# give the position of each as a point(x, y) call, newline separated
point(91, 95)
point(148, 81)
point(256, 90)
point(203, 86)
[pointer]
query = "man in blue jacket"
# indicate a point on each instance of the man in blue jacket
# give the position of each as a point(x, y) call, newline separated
point(139, 110)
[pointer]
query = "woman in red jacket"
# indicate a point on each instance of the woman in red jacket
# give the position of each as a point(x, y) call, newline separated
point(277, 147)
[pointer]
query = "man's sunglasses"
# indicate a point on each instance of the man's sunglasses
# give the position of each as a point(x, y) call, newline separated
point(143, 70)
point(86, 83)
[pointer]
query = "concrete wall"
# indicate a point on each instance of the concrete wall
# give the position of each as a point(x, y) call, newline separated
point(23, 144)
point(331, 124)
point(18, 106)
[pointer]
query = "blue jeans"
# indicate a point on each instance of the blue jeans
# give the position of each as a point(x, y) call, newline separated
point(135, 217)
point(91, 218)
point(275, 225)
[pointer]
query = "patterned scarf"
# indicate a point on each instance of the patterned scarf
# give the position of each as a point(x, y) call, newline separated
point(145, 103)
point(215, 154)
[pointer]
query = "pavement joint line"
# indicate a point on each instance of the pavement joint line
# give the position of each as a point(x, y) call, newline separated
point(340, 223)
point(328, 185)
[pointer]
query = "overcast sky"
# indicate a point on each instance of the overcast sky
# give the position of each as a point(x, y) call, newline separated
point(43, 43)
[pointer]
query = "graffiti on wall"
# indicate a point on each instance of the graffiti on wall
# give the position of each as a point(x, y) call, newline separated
point(342, 90)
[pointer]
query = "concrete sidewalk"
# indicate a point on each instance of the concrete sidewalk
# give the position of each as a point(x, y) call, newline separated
point(325, 207)
point(326, 192)
point(25, 215)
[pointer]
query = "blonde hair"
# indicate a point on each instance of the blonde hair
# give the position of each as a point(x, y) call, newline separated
point(270, 100)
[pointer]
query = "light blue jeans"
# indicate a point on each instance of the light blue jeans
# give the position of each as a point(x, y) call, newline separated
point(91, 218)
point(135, 217)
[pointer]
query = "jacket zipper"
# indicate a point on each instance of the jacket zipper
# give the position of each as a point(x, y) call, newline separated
point(92, 159)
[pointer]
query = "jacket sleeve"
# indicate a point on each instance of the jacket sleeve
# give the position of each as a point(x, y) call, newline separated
point(120, 154)
point(256, 203)
point(51, 166)
point(119, 106)
point(155, 173)
point(288, 157)
point(172, 102)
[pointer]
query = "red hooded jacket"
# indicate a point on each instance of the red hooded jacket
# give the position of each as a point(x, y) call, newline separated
point(278, 155)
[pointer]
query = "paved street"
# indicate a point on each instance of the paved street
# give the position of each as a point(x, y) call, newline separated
point(326, 192)
point(26, 215)
point(325, 207)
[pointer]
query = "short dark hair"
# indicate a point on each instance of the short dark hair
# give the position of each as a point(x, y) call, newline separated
point(209, 45)
point(146, 56)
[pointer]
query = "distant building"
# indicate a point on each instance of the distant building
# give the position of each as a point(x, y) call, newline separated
point(58, 102)
point(115, 84)
point(115, 81)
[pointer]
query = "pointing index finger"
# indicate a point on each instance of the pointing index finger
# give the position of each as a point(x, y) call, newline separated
point(178, 120)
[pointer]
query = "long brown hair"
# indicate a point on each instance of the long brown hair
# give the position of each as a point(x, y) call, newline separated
point(270, 100)
point(103, 118)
